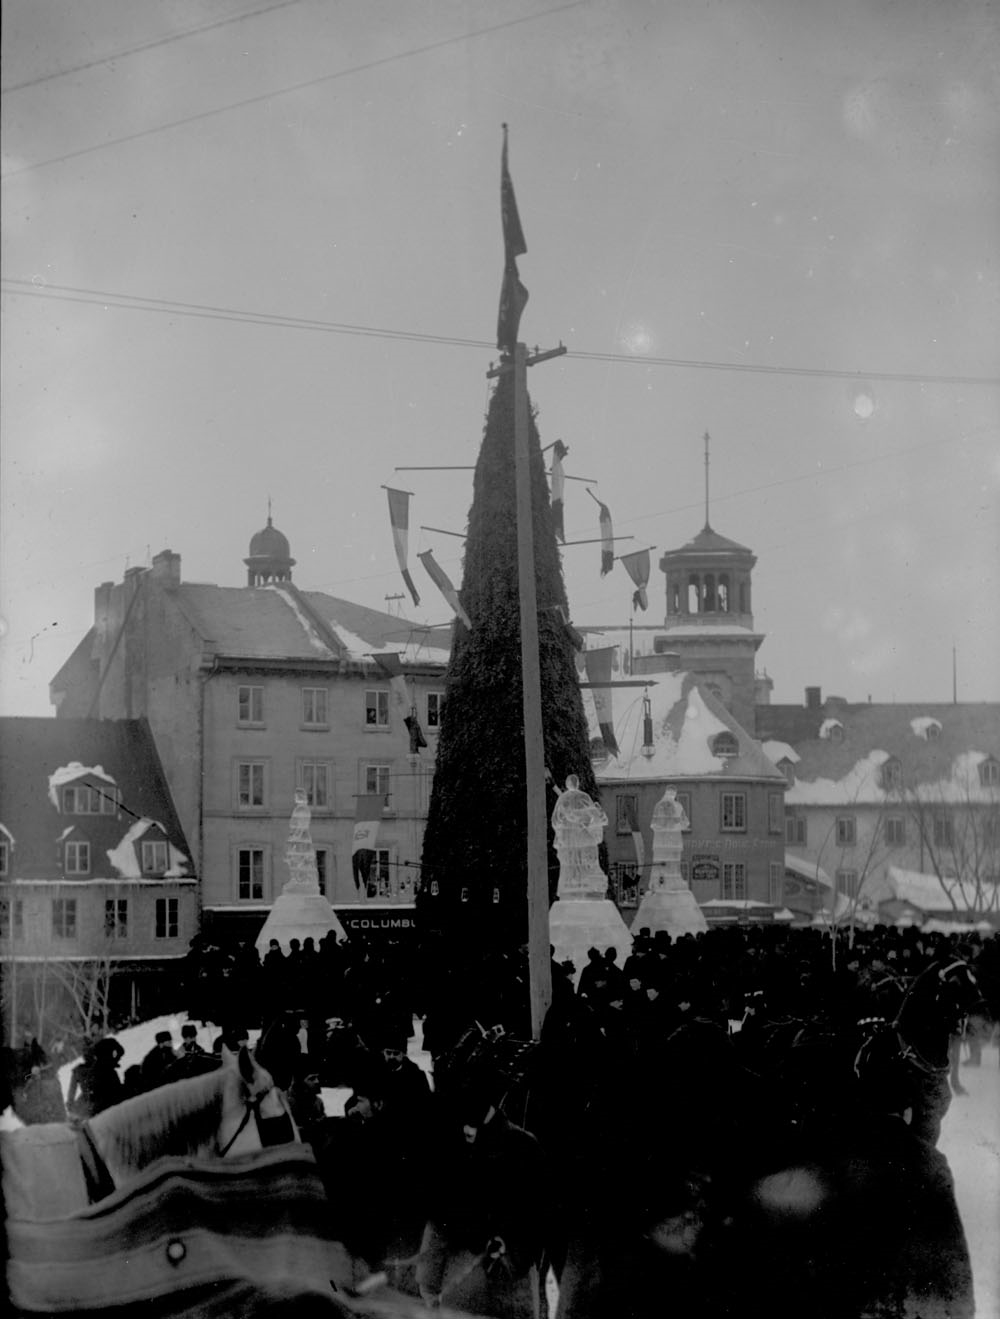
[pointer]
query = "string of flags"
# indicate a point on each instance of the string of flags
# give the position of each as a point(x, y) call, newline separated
point(637, 567)
point(390, 664)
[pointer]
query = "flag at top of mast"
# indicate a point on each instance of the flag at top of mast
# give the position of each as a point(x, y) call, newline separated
point(513, 294)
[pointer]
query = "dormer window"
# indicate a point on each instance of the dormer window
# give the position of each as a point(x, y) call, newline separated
point(926, 727)
point(832, 730)
point(788, 769)
point(76, 857)
point(989, 772)
point(87, 799)
point(892, 775)
point(726, 745)
point(4, 858)
point(155, 856)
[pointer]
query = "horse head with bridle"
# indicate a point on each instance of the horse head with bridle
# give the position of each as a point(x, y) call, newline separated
point(53, 1170)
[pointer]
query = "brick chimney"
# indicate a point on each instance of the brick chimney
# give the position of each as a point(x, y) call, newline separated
point(102, 607)
point(814, 698)
point(167, 569)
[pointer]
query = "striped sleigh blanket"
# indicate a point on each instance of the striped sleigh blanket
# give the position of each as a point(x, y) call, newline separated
point(188, 1237)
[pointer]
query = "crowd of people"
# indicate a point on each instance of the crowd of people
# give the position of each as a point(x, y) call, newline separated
point(698, 1030)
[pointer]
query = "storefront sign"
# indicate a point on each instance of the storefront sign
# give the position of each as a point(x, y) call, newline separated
point(376, 921)
point(706, 869)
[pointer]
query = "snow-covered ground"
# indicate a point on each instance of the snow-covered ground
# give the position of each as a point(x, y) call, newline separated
point(970, 1140)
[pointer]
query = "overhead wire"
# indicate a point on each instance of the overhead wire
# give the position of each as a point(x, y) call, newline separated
point(207, 311)
point(260, 97)
point(146, 45)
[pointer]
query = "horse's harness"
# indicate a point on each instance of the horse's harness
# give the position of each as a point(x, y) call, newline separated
point(908, 1052)
point(271, 1130)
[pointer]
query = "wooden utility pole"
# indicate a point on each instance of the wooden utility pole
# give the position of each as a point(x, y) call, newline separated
point(539, 957)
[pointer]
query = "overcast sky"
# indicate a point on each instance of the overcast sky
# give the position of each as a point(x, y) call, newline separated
point(776, 221)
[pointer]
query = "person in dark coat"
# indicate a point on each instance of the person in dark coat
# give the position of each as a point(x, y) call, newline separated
point(105, 1087)
point(485, 1236)
point(158, 1063)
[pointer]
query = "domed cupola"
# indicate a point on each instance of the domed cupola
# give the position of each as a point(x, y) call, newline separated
point(270, 558)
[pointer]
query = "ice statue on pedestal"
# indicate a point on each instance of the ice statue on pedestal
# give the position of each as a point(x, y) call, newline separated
point(668, 904)
point(582, 917)
point(300, 911)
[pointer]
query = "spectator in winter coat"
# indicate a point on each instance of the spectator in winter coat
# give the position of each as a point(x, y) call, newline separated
point(486, 1229)
point(159, 1061)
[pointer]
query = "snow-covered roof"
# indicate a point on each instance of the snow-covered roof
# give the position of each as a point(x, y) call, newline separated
point(69, 774)
point(776, 752)
point(807, 869)
point(685, 720)
point(125, 859)
point(861, 783)
point(928, 893)
point(282, 622)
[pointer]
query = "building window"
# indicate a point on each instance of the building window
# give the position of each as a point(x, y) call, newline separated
point(377, 780)
point(4, 857)
point(684, 802)
point(734, 880)
point(381, 872)
point(314, 780)
point(895, 831)
point(64, 918)
point(83, 799)
point(77, 858)
point(734, 812)
point(435, 708)
point(626, 813)
point(775, 813)
point(847, 883)
point(314, 707)
point(154, 856)
point(167, 926)
point(5, 930)
point(250, 784)
point(250, 874)
point(376, 709)
point(795, 828)
point(775, 883)
point(250, 705)
point(116, 918)
point(723, 744)
point(892, 775)
point(847, 833)
point(944, 833)
point(322, 868)
point(989, 773)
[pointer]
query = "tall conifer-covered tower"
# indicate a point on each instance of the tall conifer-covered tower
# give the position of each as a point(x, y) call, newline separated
point(473, 868)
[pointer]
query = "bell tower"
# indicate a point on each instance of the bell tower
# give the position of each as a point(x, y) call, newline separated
point(270, 558)
point(709, 616)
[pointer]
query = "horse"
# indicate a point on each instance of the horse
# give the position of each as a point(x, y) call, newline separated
point(53, 1170)
point(929, 1019)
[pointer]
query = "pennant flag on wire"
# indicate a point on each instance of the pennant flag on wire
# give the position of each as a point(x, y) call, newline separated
point(632, 818)
point(417, 739)
point(559, 452)
point(399, 516)
point(391, 668)
point(367, 814)
point(443, 583)
point(607, 540)
point(637, 567)
point(598, 666)
point(513, 294)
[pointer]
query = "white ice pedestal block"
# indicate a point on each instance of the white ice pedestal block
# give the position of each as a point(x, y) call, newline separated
point(673, 910)
point(299, 916)
point(577, 924)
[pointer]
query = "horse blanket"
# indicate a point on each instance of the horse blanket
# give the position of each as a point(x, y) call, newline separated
point(187, 1237)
